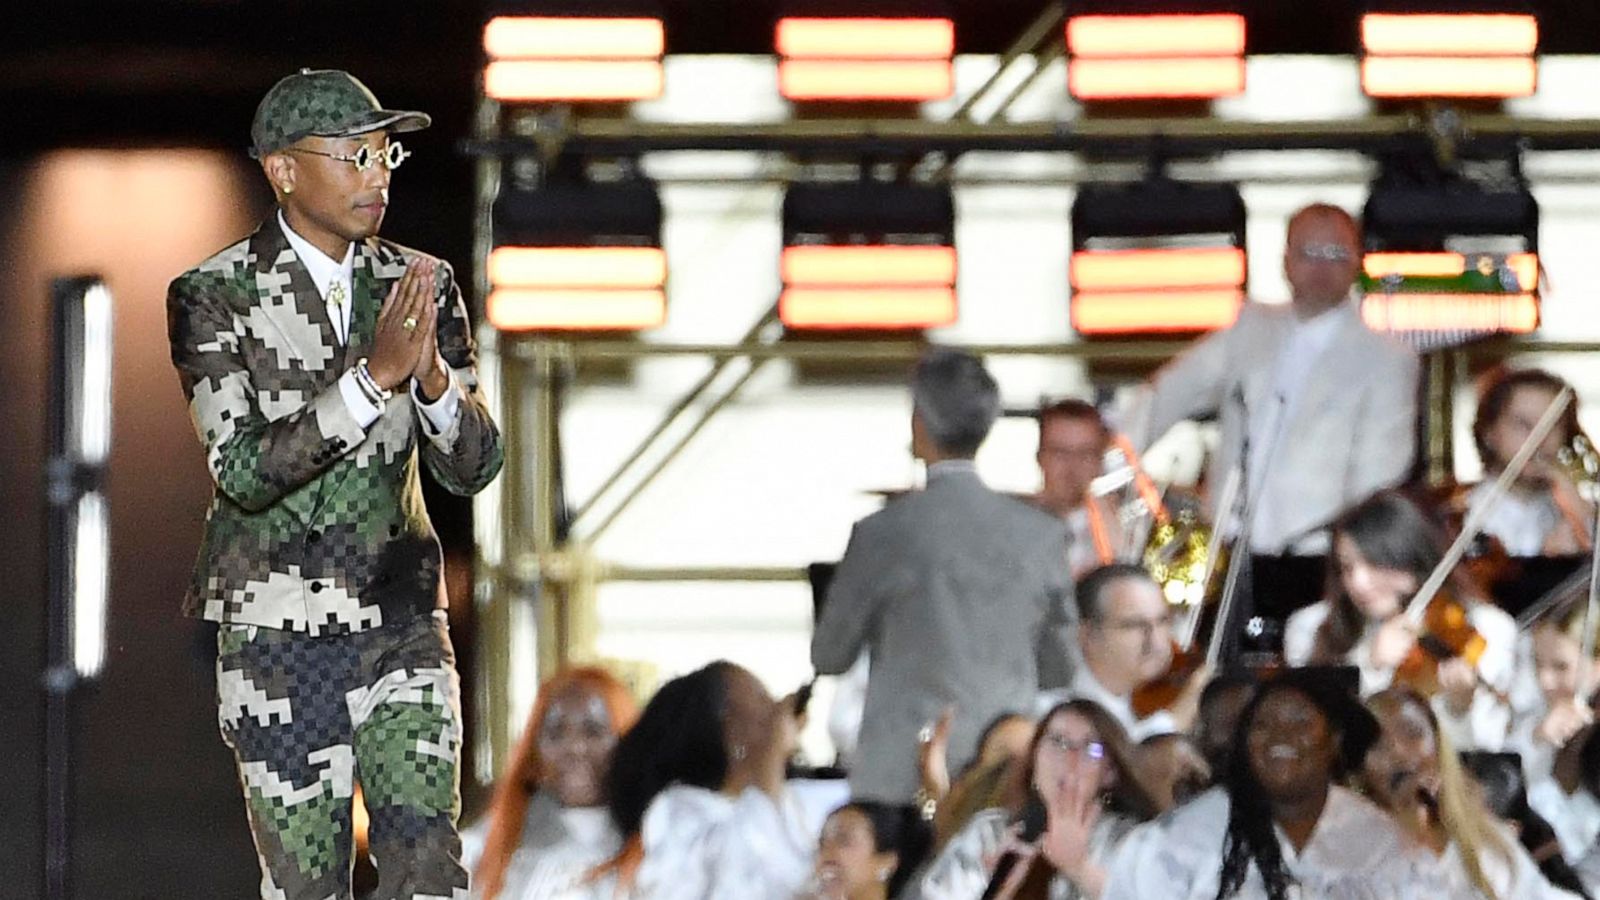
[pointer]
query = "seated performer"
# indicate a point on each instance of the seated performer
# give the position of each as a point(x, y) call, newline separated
point(1543, 514)
point(1413, 772)
point(1565, 684)
point(1073, 440)
point(1081, 771)
point(548, 826)
point(1384, 550)
point(1279, 826)
point(1125, 640)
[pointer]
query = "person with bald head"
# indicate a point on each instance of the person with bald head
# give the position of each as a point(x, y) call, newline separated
point(960, 594)
point(1317, 411)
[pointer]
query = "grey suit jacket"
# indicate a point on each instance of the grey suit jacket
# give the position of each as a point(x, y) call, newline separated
point(957, 591)
point(1350, 433)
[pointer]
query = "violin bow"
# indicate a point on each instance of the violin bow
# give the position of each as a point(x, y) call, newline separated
point(1475, 519)
point(1593, 610)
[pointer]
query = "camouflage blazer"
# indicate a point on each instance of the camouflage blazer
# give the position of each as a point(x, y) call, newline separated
point(316, 524)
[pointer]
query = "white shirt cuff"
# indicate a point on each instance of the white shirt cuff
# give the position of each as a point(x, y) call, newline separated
point(439, 417)
point(364, 411)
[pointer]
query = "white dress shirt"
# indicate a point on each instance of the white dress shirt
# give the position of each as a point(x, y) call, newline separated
point(1355, 852)
point(1085, 686)
point(326, 272)
point(560, 846)
point(1303, 346)
point(963, 868)
point(1575, 816)
point(704, 845)
point(1521, 521)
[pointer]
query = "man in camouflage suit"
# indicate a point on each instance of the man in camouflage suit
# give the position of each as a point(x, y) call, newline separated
point(318, 561)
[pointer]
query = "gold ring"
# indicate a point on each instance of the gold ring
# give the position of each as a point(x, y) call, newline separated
point(410, 323)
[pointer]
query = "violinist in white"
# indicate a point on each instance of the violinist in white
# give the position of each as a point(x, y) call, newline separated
point(1383, 551)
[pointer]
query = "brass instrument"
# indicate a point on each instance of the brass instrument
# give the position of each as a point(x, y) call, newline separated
point(1164, 530)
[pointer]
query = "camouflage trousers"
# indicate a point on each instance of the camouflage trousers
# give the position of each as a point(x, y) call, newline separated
point(310, 717)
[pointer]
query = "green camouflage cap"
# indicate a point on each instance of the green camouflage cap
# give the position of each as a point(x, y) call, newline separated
point(325, 103)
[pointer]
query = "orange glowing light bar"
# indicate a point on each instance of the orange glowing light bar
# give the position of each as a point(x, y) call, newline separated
point(1439, 76)
point(866, 38)
point(590, 79)
point(1131, 312)
point(1120, 270)
point(517, 309)
point(574, 37)
point(1446, 265)
point(1483, 313)
point(817, 79)
point(898, 265)
point(1219, 34)
point(1449, 34)
point(1113, 79)
point(885, 308)
point(578, 267)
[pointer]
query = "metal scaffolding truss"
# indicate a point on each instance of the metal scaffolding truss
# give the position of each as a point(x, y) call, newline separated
point(553, 576)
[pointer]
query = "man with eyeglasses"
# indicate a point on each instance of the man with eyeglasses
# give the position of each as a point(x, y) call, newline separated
point(1124, 641)
point(1316, 411)
point(321, 364)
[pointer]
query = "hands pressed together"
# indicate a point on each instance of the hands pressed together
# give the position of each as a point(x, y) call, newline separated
point(405, 342)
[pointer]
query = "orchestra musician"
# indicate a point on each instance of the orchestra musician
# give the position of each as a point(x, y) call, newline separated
point(1323, 407)
point(1073, 440)
point(1543, 512)
point(1383, 551)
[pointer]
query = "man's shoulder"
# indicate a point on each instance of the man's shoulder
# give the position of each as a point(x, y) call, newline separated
point(227, 266)
point(389, 258)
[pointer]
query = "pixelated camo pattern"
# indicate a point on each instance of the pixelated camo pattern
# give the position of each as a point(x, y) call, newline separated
point(308, 718)
point(324, 102)
point(315, 525)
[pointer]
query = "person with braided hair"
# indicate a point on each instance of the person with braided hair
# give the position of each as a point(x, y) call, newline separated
point(1279, 826)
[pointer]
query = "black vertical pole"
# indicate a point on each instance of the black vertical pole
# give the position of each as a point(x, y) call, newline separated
point(63, 487)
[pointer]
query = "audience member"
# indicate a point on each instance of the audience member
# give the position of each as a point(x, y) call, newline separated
point(548, 826)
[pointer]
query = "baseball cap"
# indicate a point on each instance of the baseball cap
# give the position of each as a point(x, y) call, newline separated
point(325, 103)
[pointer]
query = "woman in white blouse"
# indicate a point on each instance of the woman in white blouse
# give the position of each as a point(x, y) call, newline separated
point(547, 828)
point(697, 789)
point(1543, 514)
point(1563, 678)
point(1383, 550)
point(1278, 827)
point(1413, 772)
point(1080, 769)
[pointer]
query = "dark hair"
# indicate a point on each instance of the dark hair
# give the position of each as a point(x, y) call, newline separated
point(1072, 408)
point(1392, 532)
point(1092, 587)
point(895, 829)
point(678, 739)
point(1129, 796)
point(1250, 837)
point(1497, 396)
point(1228, 680)
point(1505, 793)
point(988, 732)
point(956, 398)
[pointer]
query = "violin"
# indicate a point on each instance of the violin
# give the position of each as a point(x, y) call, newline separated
point(1445, 634)
point(1440, 618)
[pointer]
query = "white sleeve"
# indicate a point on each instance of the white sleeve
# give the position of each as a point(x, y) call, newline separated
point(1300, 633)
point(1140, 868)
point(441, 417)
point(700, 850)
point(364, 411)
point(961, 870)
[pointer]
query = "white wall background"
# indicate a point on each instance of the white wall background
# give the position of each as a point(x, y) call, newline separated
point(780, 475)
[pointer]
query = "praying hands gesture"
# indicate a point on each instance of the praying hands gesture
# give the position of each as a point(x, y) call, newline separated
point(405, 341)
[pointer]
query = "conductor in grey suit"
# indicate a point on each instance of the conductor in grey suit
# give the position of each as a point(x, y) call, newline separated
point(956, 591)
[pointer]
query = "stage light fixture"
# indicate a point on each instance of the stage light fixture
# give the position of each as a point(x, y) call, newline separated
point(868, 256)
point(1449, 262)
point(574, 58)
point(1156, 257)
point(865, 57)
point(1167, 56)
point(1464, 55)
point(575, 255)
